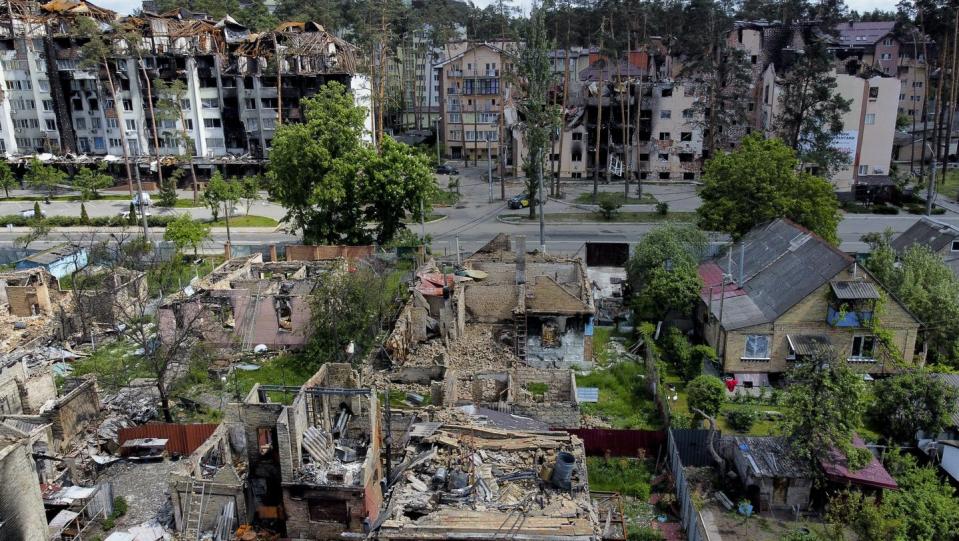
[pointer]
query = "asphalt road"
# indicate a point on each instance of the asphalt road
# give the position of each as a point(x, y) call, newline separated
point(474, 219)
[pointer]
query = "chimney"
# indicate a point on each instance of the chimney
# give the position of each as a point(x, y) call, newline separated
point(273, 253)
point(520, 259)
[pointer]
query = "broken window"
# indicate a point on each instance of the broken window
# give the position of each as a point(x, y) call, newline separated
point(264, 440)
point(664, 136)
point(327, 510)
point(664, 176)
point(284, 314)
point(685, 157)
point(686, 136)
point(667, 92)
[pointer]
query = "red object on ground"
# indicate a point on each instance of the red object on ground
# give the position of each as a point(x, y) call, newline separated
point(731, 384)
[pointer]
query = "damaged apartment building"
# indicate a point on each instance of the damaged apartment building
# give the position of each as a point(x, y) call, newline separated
point(245, 303)
point(632, 117)
point(238, 85)
point(501, 333)
point(311, 469)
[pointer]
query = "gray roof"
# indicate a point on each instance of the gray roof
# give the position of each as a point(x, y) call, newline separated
point(853, 289)
point(783, 264)
point(52, 255)
point(768, 456)
point(951, 380)
point(926, 232)
point(809, 344)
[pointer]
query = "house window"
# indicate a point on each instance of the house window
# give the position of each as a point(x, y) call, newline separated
point(664, 136)
point(686, 136)
point(212, 123)
point(863, 169)
point(687, 113)
point(873, 92)
point(870, 119)
point(665, 113)
point(664, 175)
point(644, 157)
point(689, 176)
point(887, 42)
point(757, 347)
point(667, 92)
point(955, 246)
point(131, 124)
point(885, 56)
point(663, 157)
point(210, 103)
point(578, 136)
point(862, 347)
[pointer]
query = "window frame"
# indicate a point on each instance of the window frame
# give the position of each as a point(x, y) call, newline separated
point(767, 340)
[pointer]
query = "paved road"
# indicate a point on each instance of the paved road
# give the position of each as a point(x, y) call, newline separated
point(474, 222)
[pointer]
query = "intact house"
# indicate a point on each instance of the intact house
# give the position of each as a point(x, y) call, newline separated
point(245, 302)
point(940, 237)
point(782, 293)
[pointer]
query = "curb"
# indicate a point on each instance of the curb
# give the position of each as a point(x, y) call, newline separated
point(514, 222)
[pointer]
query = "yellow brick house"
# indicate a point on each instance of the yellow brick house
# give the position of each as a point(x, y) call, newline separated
point(782, 293)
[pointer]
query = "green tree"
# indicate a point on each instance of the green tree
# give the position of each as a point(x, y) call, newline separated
point(185, 231)
point(250, 191)
point(132, 214)
point(89, 181)
point(84, 217)
point(700, 356)
point(222, 192)
point(541, 116)
point(37, 212)
point(44, 177)
point(811, 110)
point(167, 197)
point(7, 180)
point(921, 280)
point(39, 230)
point(759, 182)
point(609, 205)
point(332, 184)
point(663, 270)
point(707, 394)
point(909, 402)
point(824, 407)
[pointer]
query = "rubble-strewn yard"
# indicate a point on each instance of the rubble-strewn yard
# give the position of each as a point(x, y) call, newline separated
point(143, 485)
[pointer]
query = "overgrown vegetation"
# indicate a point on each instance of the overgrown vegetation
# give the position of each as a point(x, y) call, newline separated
point(627, 476)
point(623, 398)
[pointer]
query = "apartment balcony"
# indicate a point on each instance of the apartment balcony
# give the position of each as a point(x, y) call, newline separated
point(848, 318)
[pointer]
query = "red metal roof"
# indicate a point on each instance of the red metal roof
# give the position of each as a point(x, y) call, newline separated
point(873, 475)
point(712, 276)
point(432, 283)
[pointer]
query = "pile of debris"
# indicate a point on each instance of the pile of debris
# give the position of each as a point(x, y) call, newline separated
point(479, 348)
point(488, 482)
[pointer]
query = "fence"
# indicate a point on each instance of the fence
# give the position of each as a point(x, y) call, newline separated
point(654, 385)
point(182, 439)
point(692, 520)
point(628, 443)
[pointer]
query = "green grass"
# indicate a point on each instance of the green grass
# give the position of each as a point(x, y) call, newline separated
point(537, 388)
point(627, 476)
point(174, 275)
point(619, 197)
point(281, 370)
point(601, 344)
point(621, 217)
point(187, 203)
point(114, 364)
point(950, 188)
point(249, 220)
point(623, 399)
point(432, 217)
point(445, 198)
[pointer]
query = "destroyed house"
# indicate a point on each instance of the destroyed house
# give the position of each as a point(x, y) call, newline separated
point(102, 296)
point(240, 85)
point(245, 302)
point(470, 482)
point(27, 292)
point(68, 415)
point(22, 515)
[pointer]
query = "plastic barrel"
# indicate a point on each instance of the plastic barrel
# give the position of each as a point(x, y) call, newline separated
point(563, 472)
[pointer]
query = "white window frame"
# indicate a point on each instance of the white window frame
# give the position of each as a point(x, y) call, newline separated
point(862, 338)
point(756, 340)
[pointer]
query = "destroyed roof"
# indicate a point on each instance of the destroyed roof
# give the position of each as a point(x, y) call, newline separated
point(783, 264)
point(768, 456)
point(80, 8)
point(473, 482)
point(304, 51)
point(927, 232)
point(52, 255)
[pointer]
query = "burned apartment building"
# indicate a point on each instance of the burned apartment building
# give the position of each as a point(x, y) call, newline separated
point(312, 469)
point(245, 302)
point(238, 85)
point(503, 332)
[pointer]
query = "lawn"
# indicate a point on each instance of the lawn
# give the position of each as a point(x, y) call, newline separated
point(619, 197)
point(250, 220)
point(624, 401)
point(101, 197)
point(627, 476)
point(187, 203)
point(280, 370)
point(620, 217)
point(445, 198)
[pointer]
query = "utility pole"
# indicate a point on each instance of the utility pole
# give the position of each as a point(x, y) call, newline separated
point(542, 198)
point(489, 167)
point(437, 135)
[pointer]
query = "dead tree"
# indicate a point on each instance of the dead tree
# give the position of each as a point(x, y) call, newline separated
point(712, 439)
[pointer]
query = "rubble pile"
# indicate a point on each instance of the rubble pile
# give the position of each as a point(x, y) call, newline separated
point(474, 351)
point(490, 481)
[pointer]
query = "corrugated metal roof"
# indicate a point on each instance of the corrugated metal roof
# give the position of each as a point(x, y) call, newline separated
point(53, 255)
point(810, 345)
point(853, 289)
point(587, 394)
point(926, 232)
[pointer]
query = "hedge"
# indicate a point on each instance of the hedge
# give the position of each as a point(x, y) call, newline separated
point(101, 221)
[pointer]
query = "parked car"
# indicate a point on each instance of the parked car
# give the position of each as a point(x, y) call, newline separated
point(126, 214)
point(30, 214)
point(146, 200)
point(447, 169)
point(520, 201)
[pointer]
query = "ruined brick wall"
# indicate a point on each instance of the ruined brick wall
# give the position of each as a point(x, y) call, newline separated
point(348, 504)
point(21, 505)
point(559, 382)
point(554, 414)
point(40, 387)
point(305, 252)
point(28, 300)
point(74, 412)
point(11, 402)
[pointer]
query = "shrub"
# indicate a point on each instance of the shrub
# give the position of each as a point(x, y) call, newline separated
point(662, 208)
point(609, 206)
point(120, 506)
point(644, 533)
point(741, 420)
point(706, 393)
point(36, 210)
point(884, 209)
point(680, 420)
point(699, 356)
point(676, 348)
point(938, 211)
point(84, 217)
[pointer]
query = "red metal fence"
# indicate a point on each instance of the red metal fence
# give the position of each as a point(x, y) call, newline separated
point(182, 439)
point(599, 441)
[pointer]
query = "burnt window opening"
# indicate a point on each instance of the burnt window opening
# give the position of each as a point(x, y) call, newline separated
point(686, 136)
point(284, 314)
point(685, 157)
point(664, 176)
point(667, 92)
point(227, 318)
point(327, 510)
point(689, 176)
point(264, 440)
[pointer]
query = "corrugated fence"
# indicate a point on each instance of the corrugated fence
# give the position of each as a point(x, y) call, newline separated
point(183, 439)
point(692, 519)
point(599, 441)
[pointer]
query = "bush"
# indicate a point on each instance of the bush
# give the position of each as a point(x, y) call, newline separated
point(916, 209)
point(741, 420)
point(938, 211)
point(120, 506)
point(676, 348)
point(609, 206)
point(884, 209)
point(84, 217)
point(706, 393)
point(699, 356)
point(662, 208)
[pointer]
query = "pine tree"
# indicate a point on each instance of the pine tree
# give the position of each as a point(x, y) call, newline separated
point(36, 211)
point(132, 218)
point(84, 218)
point(167, 195)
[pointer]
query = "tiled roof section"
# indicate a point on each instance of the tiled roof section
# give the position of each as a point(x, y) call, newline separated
point(863, 33)
point(782, 264)
point(873, 475)
point(927, 232)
